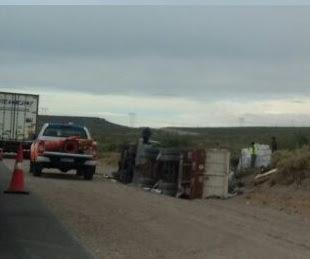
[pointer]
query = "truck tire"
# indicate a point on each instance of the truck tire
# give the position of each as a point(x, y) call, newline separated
point(169, 189)
point(31, 167)
point(36, 169)
point(79, 172)
point(172, 192)
point(89, 173)
point(146, 182)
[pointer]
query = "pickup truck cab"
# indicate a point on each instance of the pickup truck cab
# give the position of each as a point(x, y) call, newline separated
point(64, 147)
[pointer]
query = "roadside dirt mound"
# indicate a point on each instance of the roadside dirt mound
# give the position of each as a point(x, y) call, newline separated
point(291, 198)
point(293, 166)
point(289, 188)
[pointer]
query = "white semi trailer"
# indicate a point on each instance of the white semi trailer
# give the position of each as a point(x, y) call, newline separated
point(18, 120)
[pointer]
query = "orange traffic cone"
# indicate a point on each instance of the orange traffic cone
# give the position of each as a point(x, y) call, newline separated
point(17, 184)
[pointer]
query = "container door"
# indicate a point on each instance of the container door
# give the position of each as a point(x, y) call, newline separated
point(18, 115)
point(197, 174)
point(216, 174)
point(26, 116)
point(6, 116)
point(217, 162)
point(19, 118)
point(215, 186)
point(197, 184)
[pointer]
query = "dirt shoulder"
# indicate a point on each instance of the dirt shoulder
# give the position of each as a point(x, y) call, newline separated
point(118, 221)
point(291, 198)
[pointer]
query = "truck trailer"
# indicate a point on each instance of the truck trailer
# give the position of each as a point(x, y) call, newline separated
point(18, 120)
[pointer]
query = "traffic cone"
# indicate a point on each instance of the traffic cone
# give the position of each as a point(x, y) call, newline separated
point(17, 184)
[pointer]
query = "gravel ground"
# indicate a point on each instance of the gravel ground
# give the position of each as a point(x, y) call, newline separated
point(118, 221)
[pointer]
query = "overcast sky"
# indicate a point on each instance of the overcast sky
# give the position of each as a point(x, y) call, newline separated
point(158, 2)
point(170, 65)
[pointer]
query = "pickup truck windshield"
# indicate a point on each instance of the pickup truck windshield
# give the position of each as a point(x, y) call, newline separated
point(64, 131)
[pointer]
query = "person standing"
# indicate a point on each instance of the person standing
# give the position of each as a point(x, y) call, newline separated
point(253, 152)
point(146, 134)
point(274, 145)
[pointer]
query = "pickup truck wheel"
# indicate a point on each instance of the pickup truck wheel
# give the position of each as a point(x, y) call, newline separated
point(31, 167)
point(89, 173)
point(79, 172)
point(37, 169)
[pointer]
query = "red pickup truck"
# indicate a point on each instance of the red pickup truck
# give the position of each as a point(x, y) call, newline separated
point(64, 147)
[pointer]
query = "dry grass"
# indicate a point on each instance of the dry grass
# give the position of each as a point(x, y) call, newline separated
point(109, 158)
point(293, 166)
point(107, 163)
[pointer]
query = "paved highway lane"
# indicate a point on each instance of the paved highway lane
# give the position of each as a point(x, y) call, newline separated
point(122, 222)
point(29, 230)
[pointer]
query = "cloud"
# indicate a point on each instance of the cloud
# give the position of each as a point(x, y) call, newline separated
point(162, 112)
point(159, 2)
point(213, 61)
point(172, 50)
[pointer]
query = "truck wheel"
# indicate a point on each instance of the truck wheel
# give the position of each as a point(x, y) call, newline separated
point(31, 167)
point(89, 173)
point(37, 169)
point(146, 182)
point(79, 172)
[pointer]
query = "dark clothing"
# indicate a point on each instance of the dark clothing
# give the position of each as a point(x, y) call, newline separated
point(253, 151)
point(253, 160)
point(274, 146)
point(146, 134)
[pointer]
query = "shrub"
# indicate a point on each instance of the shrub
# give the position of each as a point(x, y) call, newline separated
point(293, 165)
point(302, 140)
point(175, 140)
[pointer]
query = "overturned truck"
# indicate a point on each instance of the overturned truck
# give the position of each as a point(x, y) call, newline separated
point(182, 173)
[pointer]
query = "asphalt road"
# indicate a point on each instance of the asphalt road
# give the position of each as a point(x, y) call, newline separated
point(116, 221)
point(29, 230)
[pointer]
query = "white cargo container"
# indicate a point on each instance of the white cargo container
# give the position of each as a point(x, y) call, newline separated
point(263, 157)
point(217, 173)
point(18, 120)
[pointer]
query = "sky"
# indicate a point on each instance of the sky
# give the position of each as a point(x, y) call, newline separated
point(157, 2)
point(213, 65)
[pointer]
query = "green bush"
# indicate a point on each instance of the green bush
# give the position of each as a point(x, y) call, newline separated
point(175, 140)
point(302, 140)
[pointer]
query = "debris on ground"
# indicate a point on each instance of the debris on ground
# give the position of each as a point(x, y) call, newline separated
point(285, 187)
point(261, 178)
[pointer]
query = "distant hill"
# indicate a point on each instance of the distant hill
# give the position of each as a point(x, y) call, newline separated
point(236, 138)
point(94, 124)
point(108, 135)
